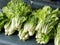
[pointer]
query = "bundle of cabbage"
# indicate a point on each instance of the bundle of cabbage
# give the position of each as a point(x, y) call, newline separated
point(17, 12)
point(57, 37)
point(47, 20)
point(28, 29)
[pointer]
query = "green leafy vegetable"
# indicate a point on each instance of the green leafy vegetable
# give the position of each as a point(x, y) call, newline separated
point(17, 12)
point(47, 20)
point(28, 28)
point(57, 37)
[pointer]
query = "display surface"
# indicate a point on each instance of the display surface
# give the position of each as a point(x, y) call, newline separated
point(14, 38)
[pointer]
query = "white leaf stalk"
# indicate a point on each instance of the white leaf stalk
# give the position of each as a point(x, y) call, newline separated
point(13, 25)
